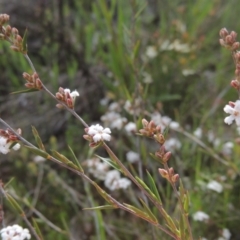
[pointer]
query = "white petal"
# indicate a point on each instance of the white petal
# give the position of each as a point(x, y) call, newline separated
point(229, 120)
point(97, 137)
point(16, 146)
point(106, 130)
point(237, 119)
point(228, 109)
point(106, 137)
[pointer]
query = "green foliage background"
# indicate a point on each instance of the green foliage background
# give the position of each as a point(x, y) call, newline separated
point(99, 48)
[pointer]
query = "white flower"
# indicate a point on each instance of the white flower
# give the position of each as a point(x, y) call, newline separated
point(67, 90)
point(172, 144)
point(151, 52)
point(15, 232)
point(135, 107)
point(113, 120)
point(39, 159)
point(198, 132)
point(111, 179)
point(74, 94)
point(174, 125)
point(227, 148)
point(123, 183)
point(147, 78)
point(97, 168)
point(234, 112)
point(99, 133)
point(104, 101)
point(114, 182)
point(226, 234)
point(118, 123)
point(163, 121)
point(187, 72)
point(5, 146)
point(131, 127)
point(200, 216)
point(132, 157)
point(215, 186)
point(114, 107)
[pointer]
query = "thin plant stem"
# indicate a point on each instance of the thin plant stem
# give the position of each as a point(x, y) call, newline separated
point(180, 202)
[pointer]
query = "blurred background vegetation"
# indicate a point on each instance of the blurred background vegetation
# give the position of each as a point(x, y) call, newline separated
point(165, 53)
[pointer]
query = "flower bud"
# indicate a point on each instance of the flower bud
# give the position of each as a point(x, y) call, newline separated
point(166, 156)
point(159, 138)
point(19, 39)
point(8, 30)
point(235, 46)
point(144, 122)
point(26, 76)
point(175, 178)
point(163, 172)
point(4, 18)
point(14, 31)
point(234, 35)
point(38, 83)
point(229, 40)
point(235, 84)
point(222, 42)
point(223, 32)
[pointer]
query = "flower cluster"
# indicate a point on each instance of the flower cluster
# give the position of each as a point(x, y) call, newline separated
point(15, 232)
point(150, 129)
point(169, 174)
point(228, 40)
point(33, 81)
point(200, 216)
point(8, 141)
point(96, 134)
point(66, 96)
point(234, 110)
point(112, 179)
point(11, 34)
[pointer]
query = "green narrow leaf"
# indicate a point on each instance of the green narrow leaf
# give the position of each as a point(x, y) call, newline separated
point(143, 184)
point(182, 227)
point(172, 225)
point(136, 49)
point(154, 187)
point(61, 157)
point(9, 182)
point(139, 213)
point(24, 42)
point(37, 229)
point(26, 91)
point(110, 162)
point(101, 227)
point(38, 152)
point(104, 195)
point(181, 189)
point(105, 207)
point(14, 203)
point(154, 219)
point(37, 138)
point(186, 203)
point(76, 160)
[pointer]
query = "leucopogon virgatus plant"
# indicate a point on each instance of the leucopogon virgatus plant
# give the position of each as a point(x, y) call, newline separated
point(97, 136)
